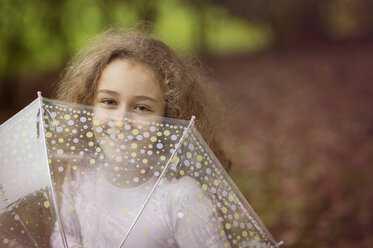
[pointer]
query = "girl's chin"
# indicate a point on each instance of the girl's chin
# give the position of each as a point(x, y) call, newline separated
point(127, 177)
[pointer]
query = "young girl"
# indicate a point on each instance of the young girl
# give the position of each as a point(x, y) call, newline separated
point(119, 73)
point(135, 173)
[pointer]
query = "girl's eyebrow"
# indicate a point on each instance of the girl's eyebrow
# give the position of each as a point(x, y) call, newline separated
point(141, 97)
point(110, 92)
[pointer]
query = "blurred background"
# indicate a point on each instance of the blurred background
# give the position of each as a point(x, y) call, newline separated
point(296, 77)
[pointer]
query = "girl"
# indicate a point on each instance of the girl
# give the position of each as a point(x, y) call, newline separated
point(122, 72)
point(185, 91)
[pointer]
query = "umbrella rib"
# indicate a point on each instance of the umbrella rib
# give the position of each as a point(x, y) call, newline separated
point(242, 200)
point(64, 240)
point(158, 180)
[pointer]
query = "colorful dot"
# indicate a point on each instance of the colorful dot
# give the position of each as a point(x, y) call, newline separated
point(180, 214)
point(236, 216)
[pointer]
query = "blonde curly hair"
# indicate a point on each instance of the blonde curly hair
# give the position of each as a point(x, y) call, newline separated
point(186, 89)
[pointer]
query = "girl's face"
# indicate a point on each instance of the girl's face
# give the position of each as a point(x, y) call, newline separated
point(128, 86)
point(124, 86)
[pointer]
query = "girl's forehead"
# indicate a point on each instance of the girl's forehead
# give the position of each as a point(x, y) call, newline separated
point(128, 77)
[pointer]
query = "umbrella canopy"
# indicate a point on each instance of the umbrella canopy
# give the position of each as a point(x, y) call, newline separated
point(76, 175)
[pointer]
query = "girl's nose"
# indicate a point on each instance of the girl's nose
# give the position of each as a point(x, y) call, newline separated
point(120, 114)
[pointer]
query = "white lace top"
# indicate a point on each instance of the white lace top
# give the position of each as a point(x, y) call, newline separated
point(99, 214)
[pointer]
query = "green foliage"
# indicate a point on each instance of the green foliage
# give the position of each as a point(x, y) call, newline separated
point(233, 35)
point(179, 28)
point(294, 21)
point(42, 35)
point(347, 18)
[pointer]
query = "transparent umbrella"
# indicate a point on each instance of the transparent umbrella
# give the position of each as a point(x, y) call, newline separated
point(75, 175)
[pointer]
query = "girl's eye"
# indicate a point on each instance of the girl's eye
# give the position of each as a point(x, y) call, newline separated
point(142, 108)
point(109, 102)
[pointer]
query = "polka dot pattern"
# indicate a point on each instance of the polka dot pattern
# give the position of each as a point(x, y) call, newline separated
point(239, 224)
point(92, 147)
point(127, 152)
point(26, 205)
point(133, 148)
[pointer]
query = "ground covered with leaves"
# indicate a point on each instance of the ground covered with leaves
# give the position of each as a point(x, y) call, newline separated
point(302, 129)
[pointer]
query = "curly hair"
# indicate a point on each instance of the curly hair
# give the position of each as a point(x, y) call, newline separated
point(186, 89)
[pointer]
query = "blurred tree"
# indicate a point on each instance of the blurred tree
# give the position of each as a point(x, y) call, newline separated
point(147, 10)
point(40, 36)
point(28, 30)
point(295, 21)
